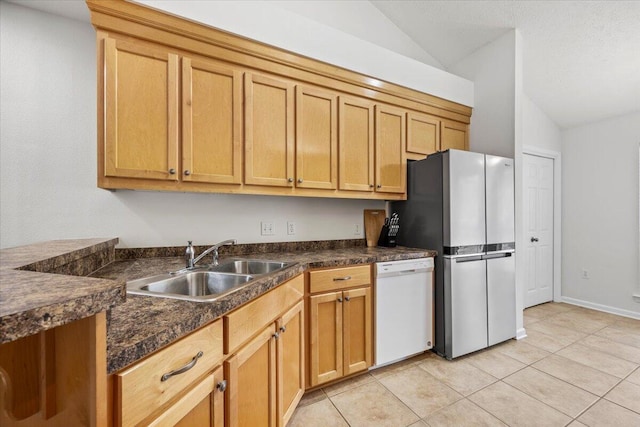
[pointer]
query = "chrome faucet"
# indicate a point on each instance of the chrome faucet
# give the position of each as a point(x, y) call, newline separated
point(190, 252)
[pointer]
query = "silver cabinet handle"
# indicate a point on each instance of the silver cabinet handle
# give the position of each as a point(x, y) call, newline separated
point(276, 335)
point(187, 172)
point(534, 239)
point(347, 299)
point(172, 171)
point(370, 185)
point(184, 369)
point(339, 299)
point(341, 279)
point(283, 329)
point(289, 179)
point(222, 385)
point(379, 186)
point(299, 180)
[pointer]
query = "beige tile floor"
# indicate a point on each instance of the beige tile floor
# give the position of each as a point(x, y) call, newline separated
point(576, 367)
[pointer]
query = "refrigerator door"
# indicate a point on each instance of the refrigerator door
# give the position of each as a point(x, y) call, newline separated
point(466, 286)
point(501, 296)
point(500, 202)
point(463, 204)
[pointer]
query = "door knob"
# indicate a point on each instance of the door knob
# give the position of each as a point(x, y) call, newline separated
point(534, 239)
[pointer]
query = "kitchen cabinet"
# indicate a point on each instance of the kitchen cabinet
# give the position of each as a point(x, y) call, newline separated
point(390, 137)
point(316, 138)
point(186, 107)
point(141, 137)
point(154, 391)
point(423, 134)
point(266, 373)
point(141, 111)
point(211, 122)
point(356, 142)
point(269, 131)
point(453, 135)
point(340, 318)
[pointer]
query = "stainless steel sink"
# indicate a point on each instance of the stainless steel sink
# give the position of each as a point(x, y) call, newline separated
point(204, 284)
point(250, 266)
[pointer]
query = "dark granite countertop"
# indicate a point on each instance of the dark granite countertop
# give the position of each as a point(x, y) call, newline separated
point(37, 293)
point(145, 324)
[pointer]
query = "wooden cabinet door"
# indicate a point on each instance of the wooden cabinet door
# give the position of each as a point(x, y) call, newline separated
point(202, 406)
point(141, 112)
point(390, 142)
point(269, 135)
point(290, 350)
point(454, 135)
point(355, 141)
point(325, 332)
point(423, 134)
point(357, 330)
point(251, 372)
point(211, 122)
point(316, 138)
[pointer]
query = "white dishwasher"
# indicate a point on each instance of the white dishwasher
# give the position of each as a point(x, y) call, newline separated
point(404, 309)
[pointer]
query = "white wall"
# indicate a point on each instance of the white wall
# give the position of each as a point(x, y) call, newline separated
point(265, 21)
point(48, 159)
point(538, 129)
point(363, 20)
point(492, 68)
point(600, 214)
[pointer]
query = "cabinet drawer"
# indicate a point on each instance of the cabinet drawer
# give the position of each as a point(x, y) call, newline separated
point(140, 390)
point(339, 278)
point(251, 318)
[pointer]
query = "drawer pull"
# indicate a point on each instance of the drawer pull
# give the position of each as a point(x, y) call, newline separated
point(347, 299)
point(340, 279)
point(222, 386)
point(283, 329)
point(184, 369)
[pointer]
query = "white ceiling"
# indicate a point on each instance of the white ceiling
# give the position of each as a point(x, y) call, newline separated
point(581, 58)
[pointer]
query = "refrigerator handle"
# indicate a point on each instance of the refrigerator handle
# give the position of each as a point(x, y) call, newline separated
point(470, 258)
point(500, 255)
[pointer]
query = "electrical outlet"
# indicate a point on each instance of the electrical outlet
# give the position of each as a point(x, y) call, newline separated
point(267, 229)
point(585, 274)
point(356, 229)
point(291, 228)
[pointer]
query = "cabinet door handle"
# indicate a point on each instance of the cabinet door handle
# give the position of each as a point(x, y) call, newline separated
point(339, 299)
point(184, 369)
point(379, 186)
point(370, 185)
point(276, 335)
point(172, 171)
point(534, 239)
point(283, 329)
point(187, 172)
point(341, 279)
point(347, 299)
point(222, 386)
point(299, 180)
point(290, 180)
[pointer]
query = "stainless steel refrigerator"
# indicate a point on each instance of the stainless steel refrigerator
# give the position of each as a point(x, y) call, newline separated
point(462, 205)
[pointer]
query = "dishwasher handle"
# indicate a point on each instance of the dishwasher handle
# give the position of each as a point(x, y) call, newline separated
point(470, 258)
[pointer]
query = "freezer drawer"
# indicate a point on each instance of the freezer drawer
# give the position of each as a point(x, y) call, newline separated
point(501, 297)
point(466, 290)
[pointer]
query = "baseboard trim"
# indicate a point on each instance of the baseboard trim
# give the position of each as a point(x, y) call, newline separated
point(521, 333)
point(602, 307)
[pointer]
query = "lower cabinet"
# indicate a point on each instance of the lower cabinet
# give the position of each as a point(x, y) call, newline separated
point(340, 338)
point(181, 384)
point(266, 374)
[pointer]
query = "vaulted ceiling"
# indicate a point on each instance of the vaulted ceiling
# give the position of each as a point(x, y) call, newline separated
point(581, 59)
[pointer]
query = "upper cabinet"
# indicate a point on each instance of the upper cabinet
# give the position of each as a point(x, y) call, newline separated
point(186, 107)
point(269, 138)
point(211, 122)
point(141, 117)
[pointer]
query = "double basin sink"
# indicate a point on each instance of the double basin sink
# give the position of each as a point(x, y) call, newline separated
point(205, 284)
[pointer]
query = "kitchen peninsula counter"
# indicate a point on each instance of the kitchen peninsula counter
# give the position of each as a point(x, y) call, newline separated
point(42, 285)
point(144, 324)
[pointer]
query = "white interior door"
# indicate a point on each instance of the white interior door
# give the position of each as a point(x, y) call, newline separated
point(538, 229)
